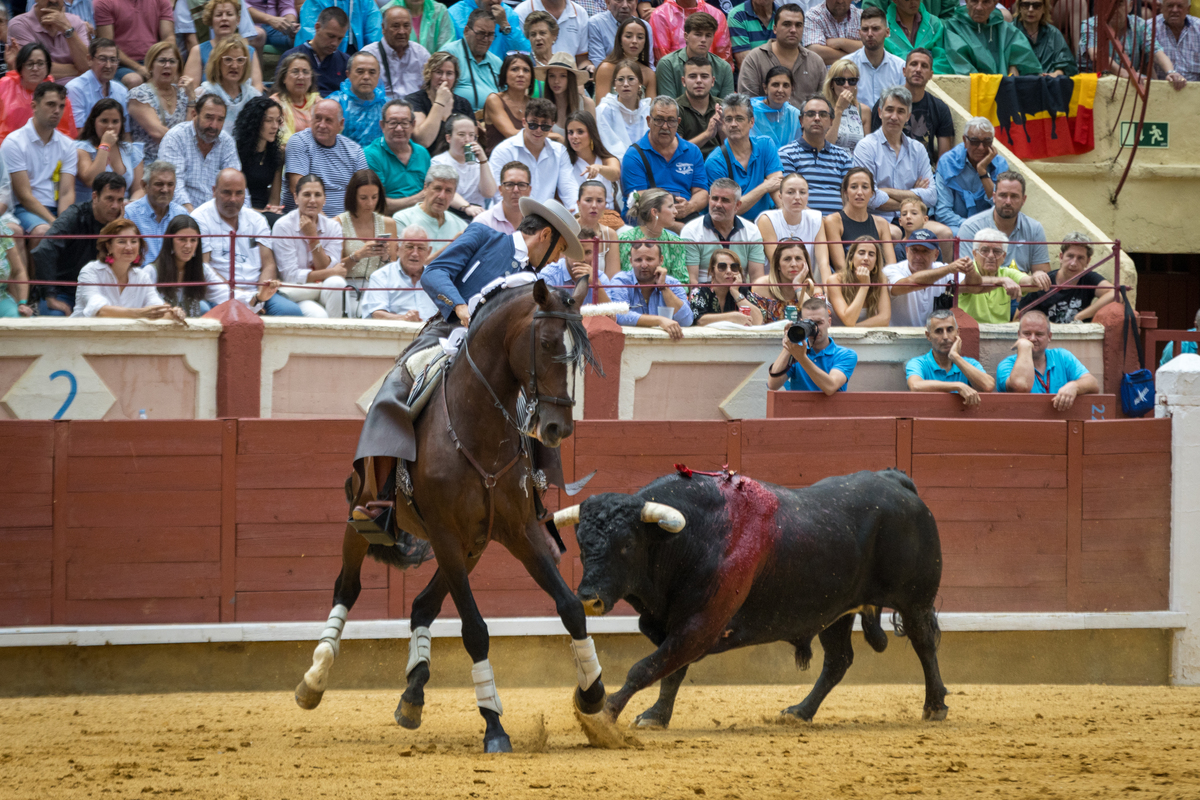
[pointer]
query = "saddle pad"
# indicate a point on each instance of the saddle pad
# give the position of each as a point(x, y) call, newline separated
point(427, 380)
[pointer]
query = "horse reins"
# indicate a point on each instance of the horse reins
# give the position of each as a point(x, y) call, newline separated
point(491, 479)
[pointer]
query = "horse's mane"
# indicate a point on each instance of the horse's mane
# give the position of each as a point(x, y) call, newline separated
point(580, 356)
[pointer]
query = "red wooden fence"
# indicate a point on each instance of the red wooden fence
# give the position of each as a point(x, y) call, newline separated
point(224, 520)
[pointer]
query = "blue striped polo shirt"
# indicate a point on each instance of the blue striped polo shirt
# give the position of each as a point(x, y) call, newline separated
point(746, 30)
point(823, 169)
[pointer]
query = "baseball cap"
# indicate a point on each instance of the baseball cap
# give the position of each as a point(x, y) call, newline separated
point(922, 238)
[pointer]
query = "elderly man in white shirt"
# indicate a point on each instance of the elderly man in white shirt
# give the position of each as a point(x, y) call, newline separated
point(394, 291)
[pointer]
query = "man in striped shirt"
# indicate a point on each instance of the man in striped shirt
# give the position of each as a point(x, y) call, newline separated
point(323, 151)
point(750, 25)
point(822, 164)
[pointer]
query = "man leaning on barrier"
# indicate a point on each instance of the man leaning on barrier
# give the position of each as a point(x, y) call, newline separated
point(651, 306)
point(944, 368)
point(1038, 368)
point(394, 291)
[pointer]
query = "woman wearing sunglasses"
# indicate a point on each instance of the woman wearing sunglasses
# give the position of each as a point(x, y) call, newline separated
point(1047, 42)
point(727, 298)
point(851, 119)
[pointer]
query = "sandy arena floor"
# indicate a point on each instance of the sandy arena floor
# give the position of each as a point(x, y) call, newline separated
point(867, 742)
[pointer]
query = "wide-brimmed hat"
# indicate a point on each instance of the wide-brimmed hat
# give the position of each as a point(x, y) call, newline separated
point(553, 212)
point(562, 61)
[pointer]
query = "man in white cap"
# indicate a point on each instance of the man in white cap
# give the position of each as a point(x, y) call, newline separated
point(460, 271)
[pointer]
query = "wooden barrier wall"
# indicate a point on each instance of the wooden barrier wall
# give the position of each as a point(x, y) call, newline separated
point(226, 520)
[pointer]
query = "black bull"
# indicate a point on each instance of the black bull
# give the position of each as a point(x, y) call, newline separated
point(759, 563)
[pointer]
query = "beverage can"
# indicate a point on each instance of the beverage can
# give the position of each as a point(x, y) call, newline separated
point(468, 155)
point(789, 313)
point(745, 310)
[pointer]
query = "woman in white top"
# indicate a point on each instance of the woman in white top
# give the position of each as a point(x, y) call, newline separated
point(312, 254)
point(475, 183)
point(795, 220)
point(589, 158)
point(621, 117)
point(180, 261)
point(851, 119)
point(101, 148)
point(228, 77)
point(592, 203)
point(134, 295)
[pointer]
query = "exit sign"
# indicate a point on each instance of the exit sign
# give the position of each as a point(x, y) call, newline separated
point(1154, 134)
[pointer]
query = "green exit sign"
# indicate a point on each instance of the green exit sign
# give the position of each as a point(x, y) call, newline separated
point(1154, 134)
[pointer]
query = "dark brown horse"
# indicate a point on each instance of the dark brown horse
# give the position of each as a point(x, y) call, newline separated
point(473, 482)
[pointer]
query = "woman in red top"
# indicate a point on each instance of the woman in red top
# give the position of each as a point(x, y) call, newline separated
point(16, 92)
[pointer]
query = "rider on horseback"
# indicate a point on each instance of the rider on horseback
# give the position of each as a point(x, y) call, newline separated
point(479, 256)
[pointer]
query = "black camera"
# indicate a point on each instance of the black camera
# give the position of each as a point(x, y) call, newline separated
point(802, 329)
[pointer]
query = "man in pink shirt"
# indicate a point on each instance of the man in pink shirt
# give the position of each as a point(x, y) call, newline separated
point(64, 35)
point(666, 25)
point(136, 26)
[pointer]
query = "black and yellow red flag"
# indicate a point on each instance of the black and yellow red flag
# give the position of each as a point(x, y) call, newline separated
point(1036, 116)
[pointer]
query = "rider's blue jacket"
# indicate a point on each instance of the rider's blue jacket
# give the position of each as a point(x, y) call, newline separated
point(470, 262)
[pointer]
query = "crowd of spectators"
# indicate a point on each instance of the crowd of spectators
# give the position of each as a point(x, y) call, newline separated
point(783, 159)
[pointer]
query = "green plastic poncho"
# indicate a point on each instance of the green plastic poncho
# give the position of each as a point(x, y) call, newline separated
point(938, 8)
point(989, 48)
point(929, 36)
point(1051, 50)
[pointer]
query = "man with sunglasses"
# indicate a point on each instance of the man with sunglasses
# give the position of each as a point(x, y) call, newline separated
point(966, 175)
point(550, 168)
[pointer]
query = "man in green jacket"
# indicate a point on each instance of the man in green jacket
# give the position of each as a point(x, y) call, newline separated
point(911, 26)
point(937, 8)
point(977, 39)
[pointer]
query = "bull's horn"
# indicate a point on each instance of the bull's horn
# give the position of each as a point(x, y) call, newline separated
point(667, 518)
point(567, 516)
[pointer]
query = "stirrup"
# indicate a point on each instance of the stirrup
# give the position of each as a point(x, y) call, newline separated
point(375, 521)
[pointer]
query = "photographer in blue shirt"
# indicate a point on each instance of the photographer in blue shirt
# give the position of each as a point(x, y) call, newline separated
point(944, 368)
point(817, 364)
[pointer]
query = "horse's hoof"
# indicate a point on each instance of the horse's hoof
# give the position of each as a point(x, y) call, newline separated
point(307, 697)
point(589, 708)
point(648, 722)
point(935, 714)
point(500, 744)
point(796, 713)
point(408, 715)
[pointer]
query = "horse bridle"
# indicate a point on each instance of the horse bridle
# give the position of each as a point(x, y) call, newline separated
point(533, 397)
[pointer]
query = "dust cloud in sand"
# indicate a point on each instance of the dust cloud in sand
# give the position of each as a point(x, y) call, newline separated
point(724, 742)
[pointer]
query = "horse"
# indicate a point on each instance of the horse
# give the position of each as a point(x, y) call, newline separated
point(473, 482)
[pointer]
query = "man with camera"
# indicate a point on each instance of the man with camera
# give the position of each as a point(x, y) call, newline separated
point(810, 360)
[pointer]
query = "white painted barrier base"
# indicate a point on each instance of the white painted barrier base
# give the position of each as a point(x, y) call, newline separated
point(1179, 398)
point(92, 636)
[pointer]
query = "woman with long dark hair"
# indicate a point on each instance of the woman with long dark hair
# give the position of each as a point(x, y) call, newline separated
point(257, 134)
point(632, 43)
point(504, 111)
point(102, 148)
point(363, 222)
point(590, 158)
point(180, 261)
point(562, 82)
point(855, 221)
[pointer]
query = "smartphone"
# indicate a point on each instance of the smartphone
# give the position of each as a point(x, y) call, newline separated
point(384, 236)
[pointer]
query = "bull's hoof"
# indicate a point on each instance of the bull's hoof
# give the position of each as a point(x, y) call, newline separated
point(796, 713)
point(650, 721)
point(408, 715)
point(497, 744)
point(935, 714)
point(307, 697)
point(586, 707)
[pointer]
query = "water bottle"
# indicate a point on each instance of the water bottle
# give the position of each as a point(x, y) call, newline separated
point(142, 414)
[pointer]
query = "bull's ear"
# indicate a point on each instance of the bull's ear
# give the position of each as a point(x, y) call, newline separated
point(668, 518)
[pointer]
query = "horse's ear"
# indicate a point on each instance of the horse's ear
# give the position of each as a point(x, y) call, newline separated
point(541, 295)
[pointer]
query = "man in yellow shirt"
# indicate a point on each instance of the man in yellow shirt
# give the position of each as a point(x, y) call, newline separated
point(1007, 283)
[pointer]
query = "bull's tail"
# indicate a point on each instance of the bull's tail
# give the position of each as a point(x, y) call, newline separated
point(927, 618)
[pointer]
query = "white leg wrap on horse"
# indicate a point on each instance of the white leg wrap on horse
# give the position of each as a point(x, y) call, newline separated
point(587, 666)
point(318, 674)
point(485, 687)
point(333, 627)
point(418, 649)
